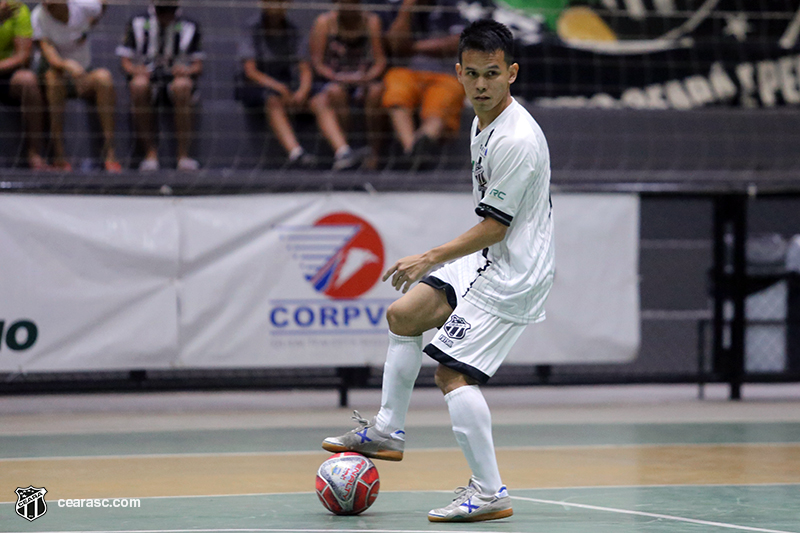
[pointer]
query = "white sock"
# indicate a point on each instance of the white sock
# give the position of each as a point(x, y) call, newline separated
point(343, 151)
point(296, 153)
point(403, 361)
point(472, 426)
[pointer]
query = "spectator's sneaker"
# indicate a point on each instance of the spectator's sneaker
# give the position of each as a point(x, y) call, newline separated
point(351, 159)
point(305, 161)
point(472, 506)
point(368, 441)
point(149, 165)
point(187, 163)
point(423, 154)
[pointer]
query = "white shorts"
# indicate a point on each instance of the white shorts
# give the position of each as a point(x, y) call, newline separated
point(473, 342)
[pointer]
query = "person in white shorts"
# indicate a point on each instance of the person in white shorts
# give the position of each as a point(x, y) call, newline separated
point(493, 281)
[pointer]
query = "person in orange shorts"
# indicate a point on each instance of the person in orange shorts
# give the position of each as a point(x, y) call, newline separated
point(423, 38)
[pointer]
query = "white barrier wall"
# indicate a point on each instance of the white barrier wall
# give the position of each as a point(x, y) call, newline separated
point(276, 280)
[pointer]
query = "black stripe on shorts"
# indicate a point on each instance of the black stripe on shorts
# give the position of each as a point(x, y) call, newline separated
point(458, 366)
point(449, 291)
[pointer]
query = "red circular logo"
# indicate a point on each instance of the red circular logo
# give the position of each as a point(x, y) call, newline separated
point(356, 265)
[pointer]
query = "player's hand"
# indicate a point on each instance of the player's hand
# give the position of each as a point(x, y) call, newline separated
point(74, 69)
point(180, 71)
point(407, 271)
point(299, 98)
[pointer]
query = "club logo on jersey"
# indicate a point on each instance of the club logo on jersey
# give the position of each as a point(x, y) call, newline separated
point(341, 254)
point(30, 502)
point(456, 327)
point(479, 176)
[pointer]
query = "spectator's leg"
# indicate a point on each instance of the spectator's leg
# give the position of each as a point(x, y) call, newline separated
point(279, 122)
point(24, 87)
point(181, 92)
point(328, 121)
point(401, 97)
point(98, 86)
point(142, 111)
point(340, 102)
point(441, 106)
point(56, 90)
point(403, 123)
point(376, 123)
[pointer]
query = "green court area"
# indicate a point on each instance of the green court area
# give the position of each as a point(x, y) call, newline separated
point(708, 509)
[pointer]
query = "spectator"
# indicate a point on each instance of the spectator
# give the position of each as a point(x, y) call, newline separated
point(61, 29)
point(347, 54)
point(18, 85)
point(162, 57)
point(423, 43)
point(275, 76)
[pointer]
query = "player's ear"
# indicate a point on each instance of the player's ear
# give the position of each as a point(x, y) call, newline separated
point(459, 69)
point(513, 70)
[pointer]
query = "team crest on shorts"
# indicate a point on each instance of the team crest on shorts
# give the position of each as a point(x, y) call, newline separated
point(456, 327)
point(30, 502)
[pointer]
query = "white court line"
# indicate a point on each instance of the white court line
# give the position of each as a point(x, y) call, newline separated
point(282, 530)
point(651, 515)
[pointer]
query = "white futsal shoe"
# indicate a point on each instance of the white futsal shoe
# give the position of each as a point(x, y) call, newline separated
point(368, 441)
point(472, 506)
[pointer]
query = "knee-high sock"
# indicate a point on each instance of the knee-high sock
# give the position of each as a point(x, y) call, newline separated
point(403, 361)
point(472, 426)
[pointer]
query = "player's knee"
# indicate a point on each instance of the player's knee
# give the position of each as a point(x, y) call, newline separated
point(400, 320)
point(449, 380)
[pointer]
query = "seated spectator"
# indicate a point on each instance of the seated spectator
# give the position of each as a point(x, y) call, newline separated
point(18, 85)
point(61, 29)
point(162, 59)
point(347, 54)
point(424, 43)
point(275, 76)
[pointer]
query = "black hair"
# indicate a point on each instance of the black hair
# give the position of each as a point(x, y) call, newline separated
point(487, 35)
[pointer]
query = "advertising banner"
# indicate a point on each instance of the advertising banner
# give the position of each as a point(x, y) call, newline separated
point(286, 280)
point(652, 54)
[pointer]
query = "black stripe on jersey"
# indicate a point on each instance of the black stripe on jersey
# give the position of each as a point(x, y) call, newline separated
point(484, 210)
point(449, 291)
point(458, 366)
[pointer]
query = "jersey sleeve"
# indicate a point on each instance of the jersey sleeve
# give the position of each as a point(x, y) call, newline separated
point(37, 32)
point(195, 50)
point(245, 49)
point(22, 22)
point(510, 175)
point(128, 46)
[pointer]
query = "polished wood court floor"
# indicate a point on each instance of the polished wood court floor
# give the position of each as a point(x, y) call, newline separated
point(622, 466)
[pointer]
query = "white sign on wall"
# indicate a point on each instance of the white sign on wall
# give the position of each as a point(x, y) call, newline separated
point(276, 280)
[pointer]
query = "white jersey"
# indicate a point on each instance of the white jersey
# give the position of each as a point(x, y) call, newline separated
point(511, 183)
point(70, 39)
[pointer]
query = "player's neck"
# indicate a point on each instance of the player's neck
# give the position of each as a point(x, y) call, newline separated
point(487, 117)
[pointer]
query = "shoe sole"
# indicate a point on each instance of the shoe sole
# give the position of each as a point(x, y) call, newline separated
point(496, 515)
point(383, 455)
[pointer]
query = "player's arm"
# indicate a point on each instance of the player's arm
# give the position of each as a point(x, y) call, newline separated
point(411, 269)
point(21, 56)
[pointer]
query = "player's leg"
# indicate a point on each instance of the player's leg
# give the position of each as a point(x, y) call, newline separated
point(181, 92)
point(143, 119)
point(98, 87)
point(56, 90)
point(469, 348)
point(419, 310)
point(24, 88)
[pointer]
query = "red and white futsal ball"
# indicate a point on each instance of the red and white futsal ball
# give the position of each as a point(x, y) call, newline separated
point(347, 483)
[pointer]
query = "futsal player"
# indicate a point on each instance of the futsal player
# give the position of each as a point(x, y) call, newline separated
point(488, 283)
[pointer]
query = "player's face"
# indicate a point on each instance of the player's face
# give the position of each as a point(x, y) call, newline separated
point(486, 78)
